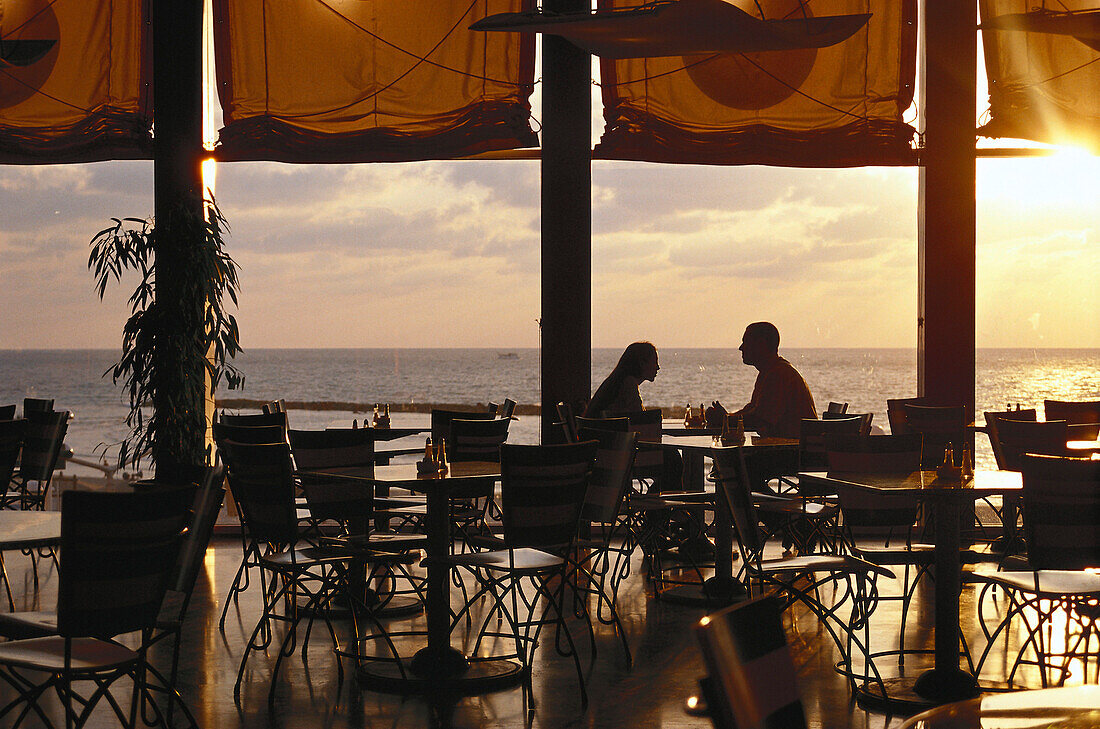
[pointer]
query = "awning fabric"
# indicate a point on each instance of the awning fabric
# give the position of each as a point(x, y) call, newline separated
point(1043, 86)
point(369, 80)
point(73, 81)
point(838, 106)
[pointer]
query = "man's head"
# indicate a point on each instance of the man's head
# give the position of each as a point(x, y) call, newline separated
point(760, 344)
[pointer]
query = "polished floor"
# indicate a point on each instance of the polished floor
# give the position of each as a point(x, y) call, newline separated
point(649, 693)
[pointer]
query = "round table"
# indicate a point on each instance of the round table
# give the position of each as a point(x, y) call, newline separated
point(1075, 707)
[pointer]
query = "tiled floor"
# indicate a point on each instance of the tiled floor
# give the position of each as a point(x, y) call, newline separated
point(648, 694)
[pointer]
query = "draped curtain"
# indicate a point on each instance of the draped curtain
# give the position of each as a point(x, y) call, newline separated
point(73, 81)
point(1042, 86)
point(831, 107)
point(369, 80)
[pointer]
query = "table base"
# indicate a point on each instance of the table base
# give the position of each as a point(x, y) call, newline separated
point(480, 676)
point(914, 694)
point(712, 591)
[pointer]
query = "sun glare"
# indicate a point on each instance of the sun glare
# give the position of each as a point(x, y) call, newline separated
point(1067, 177)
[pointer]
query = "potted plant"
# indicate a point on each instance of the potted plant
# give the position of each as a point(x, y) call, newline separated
point(179, 336)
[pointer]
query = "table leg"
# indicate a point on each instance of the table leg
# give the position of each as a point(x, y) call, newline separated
point(947, 682)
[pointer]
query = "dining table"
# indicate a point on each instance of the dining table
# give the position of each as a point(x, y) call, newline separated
point(695, 444)
point(1064, 707)
point(437, 665)
point(945, 681)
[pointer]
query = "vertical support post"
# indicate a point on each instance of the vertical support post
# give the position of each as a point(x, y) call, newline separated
point(947, 257)
point(566, 324)
point(177, 172)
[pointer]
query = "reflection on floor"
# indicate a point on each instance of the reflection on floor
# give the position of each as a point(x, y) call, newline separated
point(651, 693)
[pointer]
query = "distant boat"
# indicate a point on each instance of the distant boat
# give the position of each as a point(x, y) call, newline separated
point(507, 355)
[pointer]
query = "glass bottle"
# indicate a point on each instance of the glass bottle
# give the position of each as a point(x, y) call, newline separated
point(967, 463)
point(429, 453)
point(441, 455)
point(687, 416)
point(739, 431)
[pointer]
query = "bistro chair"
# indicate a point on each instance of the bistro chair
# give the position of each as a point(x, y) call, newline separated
point(261, 478)
point(1054, 598)
point(475, 440)
point(621, 425)
point(835, 408)
point(7, 412)
point(11, 442)
point(1076, 413)
point(991, 419)
point(880, 528)
point(121, 548)
point(440, 422)
point(801, 579)
point(253, 420)
point(811, 439)
point(865, 419)
point(895, 413)
point(42, 443)
point(751, 679)
point(542, 493)
point(941, 426)
point(37, 405)
point(603, 550)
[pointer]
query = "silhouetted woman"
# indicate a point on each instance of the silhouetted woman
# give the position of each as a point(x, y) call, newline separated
point(619, 392)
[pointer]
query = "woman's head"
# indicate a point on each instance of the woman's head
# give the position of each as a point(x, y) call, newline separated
point(639, 360)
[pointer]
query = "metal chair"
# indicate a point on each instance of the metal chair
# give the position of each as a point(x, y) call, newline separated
point(1086, 413)
point(42, 442)
point(1055, 598)
point(121, 548)
point(751, 679)
point(542, 493)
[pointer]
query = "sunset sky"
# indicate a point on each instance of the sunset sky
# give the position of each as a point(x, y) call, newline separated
point(447, 253)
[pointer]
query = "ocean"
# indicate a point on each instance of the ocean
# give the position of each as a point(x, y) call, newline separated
point(337, 385)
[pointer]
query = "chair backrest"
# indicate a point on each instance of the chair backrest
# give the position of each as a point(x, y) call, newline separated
point(42, 441)
point(650, 461)
point(620, 425)
point(507, 408)
point(253, 419)
point(261, 480)
point(731, 467)
point(477, 440)
point(1072, 412)
point(11, 442)
point(611, 473)
point(941, 426)
point(346, 450)
point(1061, 505)
point(1076, 414)
point(751, 674)
point(991, 428)
point(205, 507)
point(542, 489)
point(895, 413)
point(867, 512)
point(117, 553)
point(568, 421)
point(7, 412)
point(1016, 437)
point(865, 420)
point(836, 408)
point(275, 406)
point(441, 422)
point(249, 433)
point(37, 405)
point(811, 439)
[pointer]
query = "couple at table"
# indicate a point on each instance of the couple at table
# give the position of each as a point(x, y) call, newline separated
point(780, 397)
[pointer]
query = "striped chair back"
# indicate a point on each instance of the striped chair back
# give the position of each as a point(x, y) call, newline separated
point(249, 433)
point(1076, 413)
point(348, 451)
point(895, 413)
point(611, 473)
point(940, 426)
point(11, 442)
point(42, 443)
point(261, 480)
point(37, 405)
point(649, 464)
point(811, 439)
point(621, 425)
point(751, 678)
point(253, 419)
point(441, 421)
point(508, 408)
point(1017, 437)
point(991, 428)
point(731, 467)
point(865, 512)
point(7, 412)
point(542, 490)
point(121, 549)
point(477, 440)
point(1061, 512)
